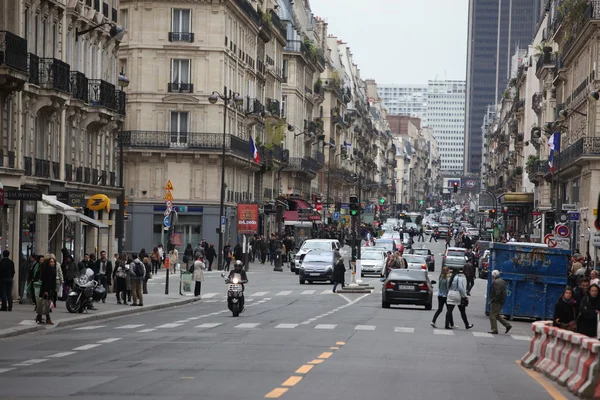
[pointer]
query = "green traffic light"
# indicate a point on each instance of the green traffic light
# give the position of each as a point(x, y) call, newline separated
point(353, 213)
point(382, 200)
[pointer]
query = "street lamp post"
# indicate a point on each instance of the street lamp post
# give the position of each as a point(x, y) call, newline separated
point(123, 83)
point(238, 100)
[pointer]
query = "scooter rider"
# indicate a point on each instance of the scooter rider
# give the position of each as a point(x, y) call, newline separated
point(238, 269)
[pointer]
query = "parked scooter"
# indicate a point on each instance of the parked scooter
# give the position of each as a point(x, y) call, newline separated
point(84, 292)
point(235, 293)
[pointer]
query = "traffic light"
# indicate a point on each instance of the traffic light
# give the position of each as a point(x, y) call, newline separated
point(338, 206)
point(549, 222)
point(455, 185)
point(422, 201)
point(382, 201)
point(493, 214)
point(354, 206)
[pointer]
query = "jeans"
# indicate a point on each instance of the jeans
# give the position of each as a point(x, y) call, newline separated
point(210, 262)
point(495, 316)
point(450, 319)
point(441, 303)
point(136, 289)
point(432, 237)
point(335, 285)
point(197, 288)
point(155, 266)
point(6, 294)
point(470, 283)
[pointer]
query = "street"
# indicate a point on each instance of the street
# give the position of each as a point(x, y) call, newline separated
point(292, 342)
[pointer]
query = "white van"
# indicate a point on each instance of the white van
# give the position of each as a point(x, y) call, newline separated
point(315, 244)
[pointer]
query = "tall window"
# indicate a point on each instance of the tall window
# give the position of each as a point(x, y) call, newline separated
point(181, 26)
point(179, 129)
point(180, 76)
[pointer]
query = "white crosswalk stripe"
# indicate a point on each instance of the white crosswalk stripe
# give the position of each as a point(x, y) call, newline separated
point(309, 292)
point(325, 326)
point(247, 326)
point(327, 291)
point(110, 340)
point(61, 355)
point(404, 330)
point(259, 294)
point(209, 295)
point(284, 293)
point(518, 337)
point(286, 326)
point(129, 326)
point(3, 370)
point(86, 347)
point(168, 326)
point(483, 334)
point(443, 332)
point(364, 327)
point(147, 330)
point(89, 328)
point(209, 325)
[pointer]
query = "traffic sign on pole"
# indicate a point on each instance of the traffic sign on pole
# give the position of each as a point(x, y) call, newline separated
point(169, 186)
point(549, 240)
point(167, 222)
point(169, 196)
point(562, 230)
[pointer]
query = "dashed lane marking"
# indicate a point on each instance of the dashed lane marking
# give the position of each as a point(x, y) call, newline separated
point(326, 354)
point(292, 381)
point(316, 361)
point(284, 293)
point(208, 295)
point(110, 340)
point(247, 326)
point(519, 337)
point(168, 326)
point(89, 328)
point(3, 370)
point(30, 362)
point(259, 294)
point(276, 393)
point(147, 330)
point(86, 347)
point(325, 326)
point(61, 354)
point(130, 326)
point(304, 369)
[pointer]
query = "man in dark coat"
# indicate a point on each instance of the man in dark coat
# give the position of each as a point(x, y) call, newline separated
point(103, 271)
point(339, 272)
point(7, 274)
point(497, 298)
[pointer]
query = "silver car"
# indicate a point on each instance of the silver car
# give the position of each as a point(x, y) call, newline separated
point(372, 261)
point(416, 261)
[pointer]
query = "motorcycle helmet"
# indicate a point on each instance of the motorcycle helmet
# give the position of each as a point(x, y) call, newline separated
point(238, 263)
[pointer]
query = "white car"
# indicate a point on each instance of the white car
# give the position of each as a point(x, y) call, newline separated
point(372, 261)
point(415, 261)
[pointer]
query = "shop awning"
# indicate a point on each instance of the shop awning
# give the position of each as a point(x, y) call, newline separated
point(57, 205)
point(70, 212)
point(91, 221)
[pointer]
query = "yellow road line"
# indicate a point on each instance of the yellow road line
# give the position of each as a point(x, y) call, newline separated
point(340, 343)
point(276, 393)
point(326, 354)
point(292, 381)
point(539, 378)
point(304, 369)
point(316, 361)
point(334, 348)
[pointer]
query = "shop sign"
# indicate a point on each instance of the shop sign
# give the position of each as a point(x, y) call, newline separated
point(73, 199)
point(98, 202)
point(247, 215)
point(18, 194)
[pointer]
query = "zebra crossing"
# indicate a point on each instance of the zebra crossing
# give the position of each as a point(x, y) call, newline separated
point(215, 297)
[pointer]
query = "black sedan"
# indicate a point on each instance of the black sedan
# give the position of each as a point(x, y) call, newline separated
point(317, 265)
point(428, 256)
point(406, 286)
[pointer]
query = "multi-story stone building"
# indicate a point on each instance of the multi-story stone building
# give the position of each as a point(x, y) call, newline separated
point(60, 111)
point(405, 99)
point(189, 51)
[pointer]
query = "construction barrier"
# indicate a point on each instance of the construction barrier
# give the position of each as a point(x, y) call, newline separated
point(569, 358)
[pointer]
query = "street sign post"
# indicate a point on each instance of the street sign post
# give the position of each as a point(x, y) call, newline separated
point(336, 215)
point(596, 239)
point(569, 207)
point(550, 240)
point(574, 216)
point(562, 231)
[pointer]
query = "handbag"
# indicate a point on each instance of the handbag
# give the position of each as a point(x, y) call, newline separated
point(192, 269)
point(464, 301)
point(185, 259)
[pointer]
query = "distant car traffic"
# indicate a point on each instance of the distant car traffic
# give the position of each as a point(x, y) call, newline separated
point(415, 261)
point(428, 256)
point(388, 244)
point(455, 256)
point(314, 244)
point(407, 286)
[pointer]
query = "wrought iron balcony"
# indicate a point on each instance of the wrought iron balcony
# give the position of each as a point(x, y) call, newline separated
point(187, 141)
point(95, 176)
point(278, 23)
point(68, 172)
point(54, 74)
point(249, 10)
point(55, 170)
point(319, 157)
point(87, 175)
point(28, 165)
point(79, 174)
point(298, 164)
point(112, 179)
point(13, 51)
point(273, 107)
point(181, 87)
point(79, 86)
point(254, 106)
point(586, 147)
point(103, 177)
point(33, 67)
point(181, 37)
point(102, 94)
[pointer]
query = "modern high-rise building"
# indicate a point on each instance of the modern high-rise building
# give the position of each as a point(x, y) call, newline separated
point(496, 29)
point(446, 117)
point(404, 99)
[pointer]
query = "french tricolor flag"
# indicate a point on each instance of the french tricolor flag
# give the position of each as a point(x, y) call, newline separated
point(254, 151)
point(554, 144)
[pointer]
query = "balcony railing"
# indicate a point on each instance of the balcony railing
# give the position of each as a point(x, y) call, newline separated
point(273, 107)
point(13, 51)
point(28, 165)
point(112, 179)
point(187, 140)
point(254, 106)
point(79, 86)
point(278, 24)
point(587, 146)
point(103, 177)
point(54, 74)
point(33, 67)
point(79, 174)
point(87, 175)
point(181, 87)
point(181, 37)
point(249, 10)
point(68, 172)
point(592, 13)
point(94, 176)
point(319, 157)
point(102, 94)
point(55, 170)
point(298, 164)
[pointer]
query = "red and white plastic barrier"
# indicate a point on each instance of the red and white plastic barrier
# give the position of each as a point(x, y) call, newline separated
point(571, 359)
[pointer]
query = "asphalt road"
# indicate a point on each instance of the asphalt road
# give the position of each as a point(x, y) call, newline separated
point(293, 342)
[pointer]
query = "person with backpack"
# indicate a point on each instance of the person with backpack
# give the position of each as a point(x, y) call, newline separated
point(120, 278)
point(138, 272)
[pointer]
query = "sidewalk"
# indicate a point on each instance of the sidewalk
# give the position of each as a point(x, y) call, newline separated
point(21, 319)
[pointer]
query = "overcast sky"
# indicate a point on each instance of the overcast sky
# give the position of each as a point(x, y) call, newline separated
point(401, 41)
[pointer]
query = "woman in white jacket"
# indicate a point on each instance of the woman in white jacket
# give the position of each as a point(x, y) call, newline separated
point(457, 296)
point(198, 274)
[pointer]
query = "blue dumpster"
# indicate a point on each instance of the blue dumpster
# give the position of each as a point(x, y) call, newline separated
point(535, 276)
